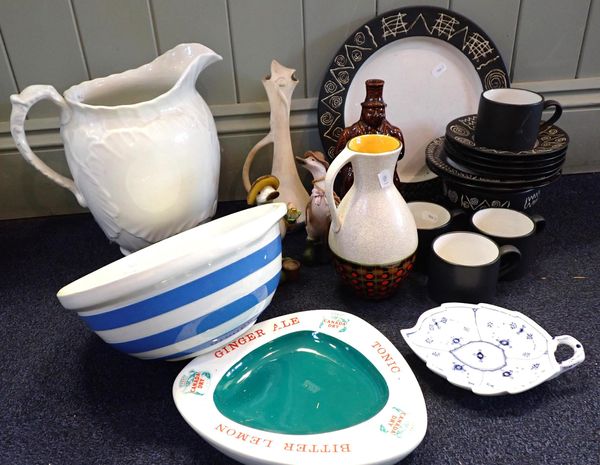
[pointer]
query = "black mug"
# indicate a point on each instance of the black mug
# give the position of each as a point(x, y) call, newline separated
point(505, 226)
point(432, 220)
point(509, 119)
point(465, 267)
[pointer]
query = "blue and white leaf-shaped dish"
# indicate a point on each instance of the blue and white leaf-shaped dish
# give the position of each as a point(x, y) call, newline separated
point(487, 349)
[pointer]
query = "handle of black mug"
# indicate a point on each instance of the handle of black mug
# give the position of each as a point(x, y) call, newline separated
point(539, 221)
point(510, 257)
point(557, 113)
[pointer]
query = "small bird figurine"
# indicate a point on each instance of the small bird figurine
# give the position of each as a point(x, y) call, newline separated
point(318, 217)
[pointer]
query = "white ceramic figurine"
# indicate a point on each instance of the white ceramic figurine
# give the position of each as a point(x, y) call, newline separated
point(318, 216)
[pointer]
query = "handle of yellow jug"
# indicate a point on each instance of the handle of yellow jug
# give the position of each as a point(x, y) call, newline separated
point(345, 156)
point(21, 104)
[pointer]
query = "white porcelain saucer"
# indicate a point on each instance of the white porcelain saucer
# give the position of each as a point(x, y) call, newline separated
point(487, 349)
point(236, 397)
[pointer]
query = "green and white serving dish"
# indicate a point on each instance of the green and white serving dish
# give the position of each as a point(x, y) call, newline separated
point(318, 387)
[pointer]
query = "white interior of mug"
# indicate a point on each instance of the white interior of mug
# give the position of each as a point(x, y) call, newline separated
point(512, 96)
point(429, 215)
point(465, 248)
point(502, 222)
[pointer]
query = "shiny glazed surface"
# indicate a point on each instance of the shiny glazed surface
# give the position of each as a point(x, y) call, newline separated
point(302, 383)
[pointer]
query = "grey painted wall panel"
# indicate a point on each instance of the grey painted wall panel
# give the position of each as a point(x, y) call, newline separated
point(262, 31)
point(7, 83)
point(116, 35)
point(326, 27)
point(549, 38)
point(584, 145)
point(42, 44)
point(29, 192)
point(499, 21)
point(386, 5)
point(589, 65)
point(32, 194)
point(205, 22)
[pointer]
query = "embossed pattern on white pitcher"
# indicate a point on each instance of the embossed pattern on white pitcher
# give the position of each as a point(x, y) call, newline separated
point(141, 146)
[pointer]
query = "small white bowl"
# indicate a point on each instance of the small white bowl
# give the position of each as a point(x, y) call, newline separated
point(317, 387)
point(487, 349)
point(184, 295)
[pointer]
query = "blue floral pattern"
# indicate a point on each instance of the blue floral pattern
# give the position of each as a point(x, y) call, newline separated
point(484, 348)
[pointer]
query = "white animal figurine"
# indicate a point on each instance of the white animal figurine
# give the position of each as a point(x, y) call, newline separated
point(318, 217)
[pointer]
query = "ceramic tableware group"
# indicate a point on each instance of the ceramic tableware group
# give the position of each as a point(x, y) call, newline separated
point(483, 179)
point(509, 119)
point(503, 155)
point(319, 386)
point(487, 349)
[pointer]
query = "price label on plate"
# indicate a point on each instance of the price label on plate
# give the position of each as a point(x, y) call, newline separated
point(439, 70)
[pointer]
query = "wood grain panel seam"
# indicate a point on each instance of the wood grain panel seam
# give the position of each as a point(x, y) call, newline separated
point(236, 86)
point(79, 41)
point(153, 27)
point(513, 58)
point(305, 48)
point(10, 67)
point(253, 118)
point(583, 40)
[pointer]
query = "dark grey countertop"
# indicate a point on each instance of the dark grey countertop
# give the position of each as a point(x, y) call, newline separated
point(67, 398)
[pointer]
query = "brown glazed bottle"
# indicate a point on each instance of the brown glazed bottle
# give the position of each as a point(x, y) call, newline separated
point(372, 121)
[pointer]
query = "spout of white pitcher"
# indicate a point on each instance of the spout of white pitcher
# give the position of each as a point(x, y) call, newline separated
point(191, 59)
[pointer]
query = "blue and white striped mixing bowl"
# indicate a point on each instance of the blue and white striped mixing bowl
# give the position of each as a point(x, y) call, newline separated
point(188, 293)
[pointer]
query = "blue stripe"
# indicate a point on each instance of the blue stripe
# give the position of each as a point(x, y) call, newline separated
point(186, 293)
point(200, 324)
point(213, 342)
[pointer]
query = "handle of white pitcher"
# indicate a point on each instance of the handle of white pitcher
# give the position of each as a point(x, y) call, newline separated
point(345, 156)
point(21, 104)
point(578, 352)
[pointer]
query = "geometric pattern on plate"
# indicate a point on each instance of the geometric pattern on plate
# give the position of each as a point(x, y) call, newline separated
point(438, 23)
point(487, 349)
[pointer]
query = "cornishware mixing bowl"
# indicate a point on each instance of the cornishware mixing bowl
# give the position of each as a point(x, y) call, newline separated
point(188, 293)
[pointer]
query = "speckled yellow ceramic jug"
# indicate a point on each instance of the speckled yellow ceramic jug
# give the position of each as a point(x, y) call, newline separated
point(373, 235)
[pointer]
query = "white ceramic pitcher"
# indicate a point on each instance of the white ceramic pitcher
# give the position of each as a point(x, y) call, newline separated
point(373, 235)
point(141, 146)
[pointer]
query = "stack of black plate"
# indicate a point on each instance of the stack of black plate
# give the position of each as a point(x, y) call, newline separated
point(478, 177)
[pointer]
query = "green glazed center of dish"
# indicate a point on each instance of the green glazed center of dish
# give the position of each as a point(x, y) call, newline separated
point(302, 383)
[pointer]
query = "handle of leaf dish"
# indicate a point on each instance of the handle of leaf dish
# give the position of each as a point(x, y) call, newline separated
point(578, 352)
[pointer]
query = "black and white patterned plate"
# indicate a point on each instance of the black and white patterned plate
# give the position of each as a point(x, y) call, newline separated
point(438, 163)
point(442, 31)
point(549, 141)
